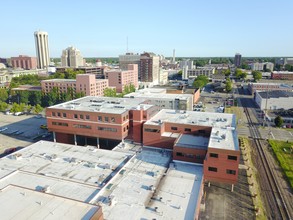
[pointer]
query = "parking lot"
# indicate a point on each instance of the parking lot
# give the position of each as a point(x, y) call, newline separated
point(21, 131)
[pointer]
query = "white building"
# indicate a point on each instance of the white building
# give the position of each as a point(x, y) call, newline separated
point(163, 76)
point(261, 66)
point(71, 57)
point(274, 100)
point(42, 49)
point(206, 71)
point(164, 100)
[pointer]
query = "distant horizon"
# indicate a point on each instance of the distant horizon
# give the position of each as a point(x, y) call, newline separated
point(111, 28)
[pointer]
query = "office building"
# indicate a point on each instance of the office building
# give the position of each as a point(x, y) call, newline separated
point(164, 100)
point(42, 49)
point(262, 66)
point(84, 83)
point(288, 61)
point(186, 62)
point(274, 100)
point(121, 78)
point(253, 87)
point(284, 75)
point(149, 68)
point(6, 75)
point(205, 71)
point(24, 62)
point(71, 57)
point(129, 58)
point(237, 60)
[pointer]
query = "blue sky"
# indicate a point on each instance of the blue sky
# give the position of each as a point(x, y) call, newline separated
point(199, 28)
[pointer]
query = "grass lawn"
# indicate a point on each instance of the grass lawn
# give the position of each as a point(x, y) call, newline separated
point(234, 110)
point(284, 154)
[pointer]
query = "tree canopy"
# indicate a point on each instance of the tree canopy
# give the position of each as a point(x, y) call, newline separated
point(200, 81)
point(257, 75)
point(279, 121)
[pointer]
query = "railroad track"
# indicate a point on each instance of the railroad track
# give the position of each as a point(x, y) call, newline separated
point(277, 208)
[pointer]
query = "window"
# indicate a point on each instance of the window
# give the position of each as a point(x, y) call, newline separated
point(233, 172)
point(214, 155)
point(75, 115)
point(201, 131)
point(87, 117)
point(151, 130)
point(123, 118)
point(213, 169)
point(64, 115)
point(232, 157)
point(60, 124)
point(107, 129)
point(174, 128)
point(99, 118)
point(82, 126)
point(81, 116)
point(187, 129)
point(106, 119)
point(189, 155)
point(59, 114)
point(112, 119)
point(179, 154)
point(53, 114)
point(124, 129)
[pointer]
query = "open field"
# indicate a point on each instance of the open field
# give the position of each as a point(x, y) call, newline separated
point(284, 153)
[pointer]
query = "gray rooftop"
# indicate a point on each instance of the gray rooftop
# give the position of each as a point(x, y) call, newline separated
point(223, 135)
point(103, 104)
point(275, 94)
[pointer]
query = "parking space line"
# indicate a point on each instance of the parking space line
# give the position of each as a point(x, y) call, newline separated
point(291, 133)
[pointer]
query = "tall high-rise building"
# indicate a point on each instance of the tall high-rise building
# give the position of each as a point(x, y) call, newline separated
point(149, 68)
point(71, 57)
point(237, 60)
point(42, 49)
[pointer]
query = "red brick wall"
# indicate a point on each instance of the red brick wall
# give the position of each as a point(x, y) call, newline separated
point(222, 164)
point(189, 154)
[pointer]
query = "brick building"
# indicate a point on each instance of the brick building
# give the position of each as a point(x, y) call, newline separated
point(122, 78)
point(285, 75)
point(86, 83)
point(24, 62)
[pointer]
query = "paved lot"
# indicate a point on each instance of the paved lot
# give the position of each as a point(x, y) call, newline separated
point(21, 130)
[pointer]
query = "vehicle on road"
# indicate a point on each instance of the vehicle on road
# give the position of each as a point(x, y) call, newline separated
point(44, 126)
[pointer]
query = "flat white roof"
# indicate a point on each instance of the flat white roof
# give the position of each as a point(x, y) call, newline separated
point(191, 141)
point(20, 203)
point(223, 135)
point(103, 104)
point(70, 171)
point(136, 190)
point(158, 95)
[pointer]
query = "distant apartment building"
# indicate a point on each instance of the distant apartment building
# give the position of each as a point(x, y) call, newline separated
point(288, 61)
point(71, 57)
point(24, 62)
point(253, 87)
point(285, 75)
point(121, 78)
point(205, 71)
point(262, 66)
point(237, 60)
point(274, 100)
point(163, 76)
point(6, 75)
point(42, 49)
point(129, 58)
point(98, 71)
point(164, 100)
point(85, 83)
point(186, 63)
point(149, 68)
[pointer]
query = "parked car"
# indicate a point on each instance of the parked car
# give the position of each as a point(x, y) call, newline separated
point(44, 126)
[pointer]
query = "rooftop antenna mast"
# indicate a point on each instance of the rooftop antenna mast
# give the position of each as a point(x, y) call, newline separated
point(127, 44)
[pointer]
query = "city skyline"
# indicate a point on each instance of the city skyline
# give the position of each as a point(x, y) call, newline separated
point(193, 28)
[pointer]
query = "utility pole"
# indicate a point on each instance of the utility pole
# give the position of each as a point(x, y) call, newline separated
point(266, 106)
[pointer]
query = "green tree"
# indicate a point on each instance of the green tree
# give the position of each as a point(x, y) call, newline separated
point(35, 97)
point(228, 86)
point(257, 75)
point(198, 84)
point(23, 97)
point(3, 95)
point(180, 72)
point(288, 67)
point(37, 109)
point(15, 107)
point(110, 92)
point(3, 106)
point(227, 72)
point(79, 95)
point(279, 121)
point(205, 79)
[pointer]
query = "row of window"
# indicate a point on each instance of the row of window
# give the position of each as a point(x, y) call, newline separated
point(87, 117)
point(230, 157)
point(215, 169)
point(89, 127)
point(179, 154)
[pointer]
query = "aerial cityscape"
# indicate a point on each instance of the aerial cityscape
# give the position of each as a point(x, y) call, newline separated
point(146, 110)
